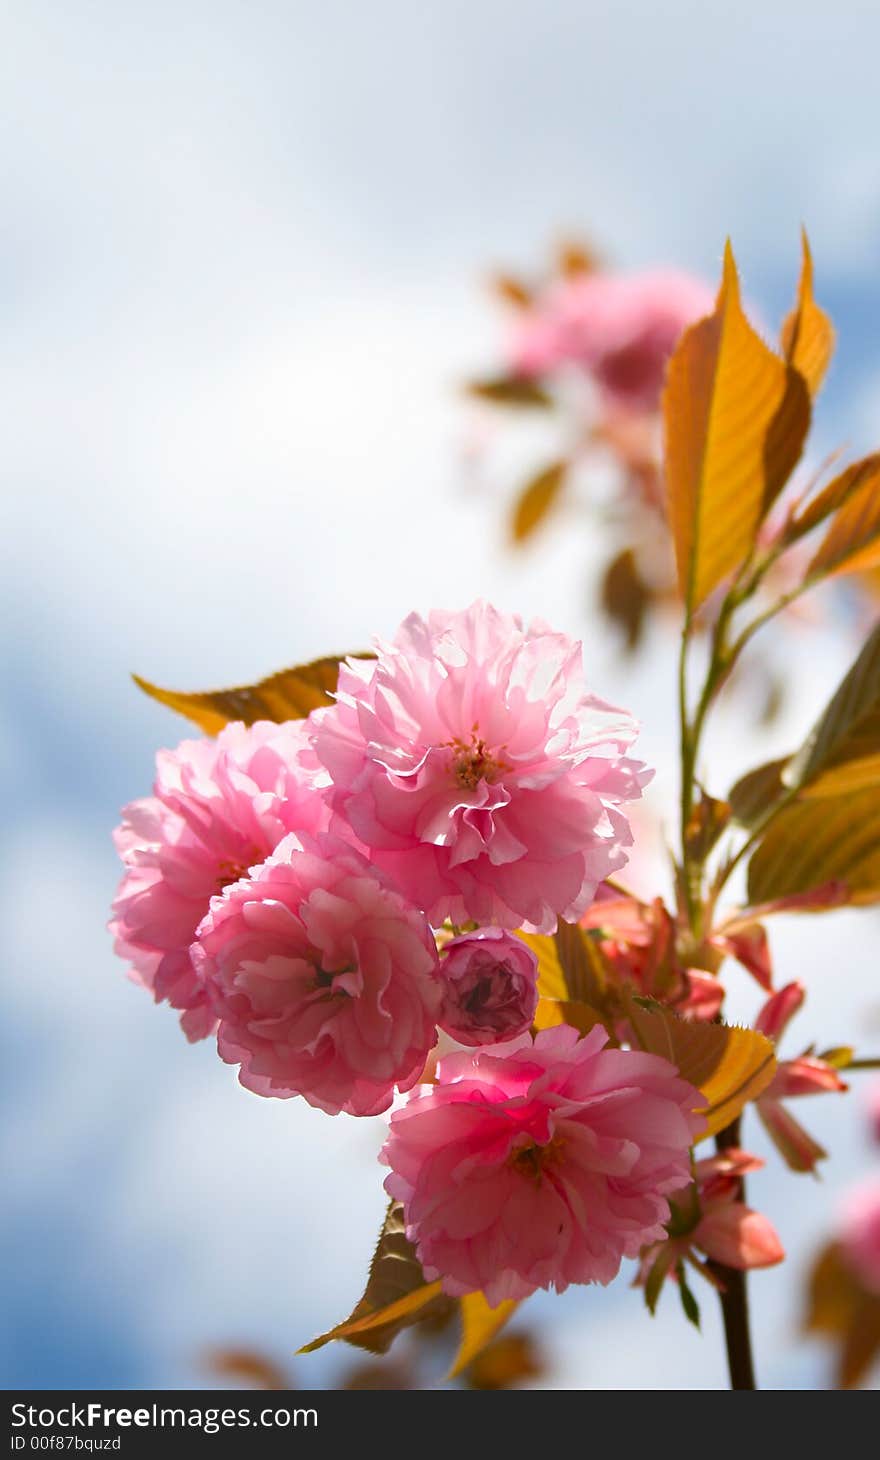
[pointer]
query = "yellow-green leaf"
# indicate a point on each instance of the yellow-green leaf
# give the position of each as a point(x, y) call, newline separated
point(817, 841)
point(570, 965)
point(511, 390)
point(852, 542)
point(808, 334)
point(728, 1065)
point(395, 1297)
point(537, 500)
point(479, 1325)
point(735, 417)
point(842, 753)
point(289, 695)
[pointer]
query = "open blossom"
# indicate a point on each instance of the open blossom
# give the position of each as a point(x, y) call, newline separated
point(621, 328)
point(714, 1221)
point(804, 1075)
point(218, 807)
point(323, 979)
point(859, 1233)
point(531, 1165)
point(490, 987)
point(471, 761)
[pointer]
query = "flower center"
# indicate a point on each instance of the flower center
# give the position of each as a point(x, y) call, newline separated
point(229, 871)
point(472, 761)
point(530, 1160)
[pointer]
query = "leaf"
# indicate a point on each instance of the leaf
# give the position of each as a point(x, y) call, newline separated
point(395, 1297)
point(852, 542)
point(754, 794)
point(625, 596)
point(537, 500)
point(246, 1366)
point(570, 965)
point(575, 259)
point(289, 695)
point(818, 841)
point(688, 1301)
point(581, 1016)
point(838, 1306)
point(735, 418)
point(808, 334)
point(729, 1066)
point(842, 753)
point(834, 496)
point(708, 821)
point(479, 1325)
point(511, 290)
point(511, 390)
point(505, 1363)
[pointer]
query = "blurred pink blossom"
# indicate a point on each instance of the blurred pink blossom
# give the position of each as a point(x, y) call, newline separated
point(471, 761)
point(859, 1233)
point(531, 1165)
point(323, 979)
point(620, 328)
point(219, 806)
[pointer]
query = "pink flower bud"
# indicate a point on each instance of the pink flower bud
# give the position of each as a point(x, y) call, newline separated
point(739, 1237)
point(779, 1009)
point(490, 987)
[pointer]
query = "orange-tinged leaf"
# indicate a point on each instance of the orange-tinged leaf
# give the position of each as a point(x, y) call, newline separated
point(506, 1363)
point(852, 542)
point(569, 964)
point(479, 1325)
point(861, 474)
point(289, 695)
point(735, 417)
point(838, 1306)
point(512, 290)
point(581, 1016)
point(729, 1066)
point(537, 500)
point(576, 259)
point(820, 840)
point(808, 334)
point(395, 1297)
point(246, 1366)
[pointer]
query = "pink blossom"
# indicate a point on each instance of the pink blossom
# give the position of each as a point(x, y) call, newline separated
point(531, 1165)
point(859, 1233)
point(805, 1075)
point(490, 987)
point(620, 328)
point(323, 978)
point(471, 761)
point(219, 806)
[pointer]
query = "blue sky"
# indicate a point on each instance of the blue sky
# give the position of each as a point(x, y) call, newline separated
point(240, 273)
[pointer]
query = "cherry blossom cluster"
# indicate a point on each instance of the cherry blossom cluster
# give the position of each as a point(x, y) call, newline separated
point(324, 896)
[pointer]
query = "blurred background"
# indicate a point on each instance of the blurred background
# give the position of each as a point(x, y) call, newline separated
point(241, 281)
